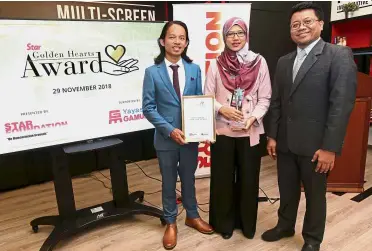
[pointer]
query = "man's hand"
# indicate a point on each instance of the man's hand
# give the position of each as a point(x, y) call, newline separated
point(178, 136)
point(326, 161)
point(271, 148)
point(231, 113)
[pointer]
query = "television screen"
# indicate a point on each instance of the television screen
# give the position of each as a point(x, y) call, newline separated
point(68, 81)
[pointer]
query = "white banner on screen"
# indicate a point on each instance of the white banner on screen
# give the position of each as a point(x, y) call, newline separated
point(65, 81)
point(205, 22)
point(205, 27)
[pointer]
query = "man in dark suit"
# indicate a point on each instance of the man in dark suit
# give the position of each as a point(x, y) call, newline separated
point(173, 76)
point(313, 95)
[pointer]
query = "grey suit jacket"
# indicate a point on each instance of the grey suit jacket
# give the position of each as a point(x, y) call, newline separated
point(313, 112)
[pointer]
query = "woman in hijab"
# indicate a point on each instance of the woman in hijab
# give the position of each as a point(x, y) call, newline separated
point(240, 81)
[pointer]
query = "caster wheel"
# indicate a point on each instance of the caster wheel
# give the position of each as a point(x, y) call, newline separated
point(163, 222)
point(35, 229)
point(140, 199)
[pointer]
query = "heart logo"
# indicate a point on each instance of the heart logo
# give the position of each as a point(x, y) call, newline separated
point(115, 53)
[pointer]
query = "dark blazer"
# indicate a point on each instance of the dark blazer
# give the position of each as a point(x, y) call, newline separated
point(313, 112)
point(161, 105)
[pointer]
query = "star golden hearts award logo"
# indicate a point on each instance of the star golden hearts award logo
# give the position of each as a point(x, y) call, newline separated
point(41, 62)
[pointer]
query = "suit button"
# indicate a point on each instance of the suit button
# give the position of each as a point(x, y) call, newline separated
point(289, 119)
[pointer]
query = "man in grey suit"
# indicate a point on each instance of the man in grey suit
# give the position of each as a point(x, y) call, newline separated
point(313, 95)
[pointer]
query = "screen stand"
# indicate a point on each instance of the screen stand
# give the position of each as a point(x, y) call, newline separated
point(71, 221)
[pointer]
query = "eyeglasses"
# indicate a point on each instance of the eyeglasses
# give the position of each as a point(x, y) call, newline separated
point(232, 34)
point(306, 22)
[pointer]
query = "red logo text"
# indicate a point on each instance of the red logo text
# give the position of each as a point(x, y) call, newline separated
point(28, 125)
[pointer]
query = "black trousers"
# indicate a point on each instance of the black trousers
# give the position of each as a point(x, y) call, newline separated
point(292, 170)
point(234, 184)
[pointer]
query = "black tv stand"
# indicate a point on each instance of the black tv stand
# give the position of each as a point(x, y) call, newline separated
point(71, 221)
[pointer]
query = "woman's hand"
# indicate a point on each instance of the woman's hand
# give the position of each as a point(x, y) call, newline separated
point(249, 122)
point(247, 126)
point(231, 113)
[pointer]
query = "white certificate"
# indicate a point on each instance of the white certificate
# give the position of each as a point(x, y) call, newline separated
point(198, 120)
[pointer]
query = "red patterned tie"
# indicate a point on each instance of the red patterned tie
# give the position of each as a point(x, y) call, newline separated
point(176, 84)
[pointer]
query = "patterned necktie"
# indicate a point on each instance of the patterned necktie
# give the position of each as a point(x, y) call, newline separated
point(300, 59)
point(176, 84)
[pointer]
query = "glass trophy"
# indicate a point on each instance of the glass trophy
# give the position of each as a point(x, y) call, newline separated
point(237, 103)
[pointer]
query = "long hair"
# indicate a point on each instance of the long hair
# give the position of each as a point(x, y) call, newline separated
point(160, 58)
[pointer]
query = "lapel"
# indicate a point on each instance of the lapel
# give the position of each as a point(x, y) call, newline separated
point(163, 72)
point(306, 65)
point(187, 67)
point(289, 73)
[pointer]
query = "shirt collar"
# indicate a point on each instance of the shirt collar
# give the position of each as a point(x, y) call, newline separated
point(309, 47)
point(168, 63)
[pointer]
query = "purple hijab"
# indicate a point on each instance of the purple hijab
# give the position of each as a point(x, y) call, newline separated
point(236, 69)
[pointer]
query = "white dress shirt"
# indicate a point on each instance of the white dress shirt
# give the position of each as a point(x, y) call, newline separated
point(307, 50)
point(181, 74)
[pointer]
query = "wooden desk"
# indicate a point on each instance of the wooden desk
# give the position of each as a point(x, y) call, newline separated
point(348, 174)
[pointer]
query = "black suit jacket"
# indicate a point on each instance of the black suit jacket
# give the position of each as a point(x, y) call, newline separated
point(313, 112)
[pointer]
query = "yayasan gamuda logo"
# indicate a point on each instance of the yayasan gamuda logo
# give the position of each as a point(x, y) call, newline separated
point(41, 63)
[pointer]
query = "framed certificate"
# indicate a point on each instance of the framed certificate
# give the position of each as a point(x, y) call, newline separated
point(198, 118)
